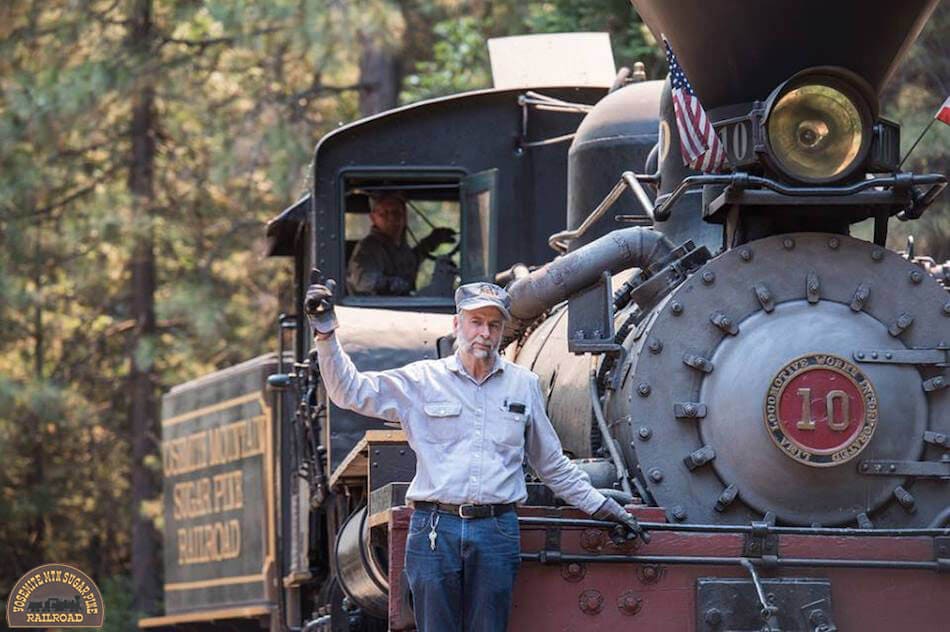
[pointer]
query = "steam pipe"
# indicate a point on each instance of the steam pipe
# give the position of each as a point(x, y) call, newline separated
point(623, 475)
point(532, 295)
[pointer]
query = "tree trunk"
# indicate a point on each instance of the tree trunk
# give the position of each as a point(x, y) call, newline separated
point(146, 568)
point(380, 75)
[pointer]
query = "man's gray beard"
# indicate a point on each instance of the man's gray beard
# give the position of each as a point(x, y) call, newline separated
point(466, 344)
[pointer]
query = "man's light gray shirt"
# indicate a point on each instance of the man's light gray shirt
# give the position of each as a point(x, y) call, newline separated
point(470, 439)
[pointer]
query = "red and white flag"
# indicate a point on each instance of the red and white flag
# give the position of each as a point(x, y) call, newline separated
point(943, 114)
point(701, 148)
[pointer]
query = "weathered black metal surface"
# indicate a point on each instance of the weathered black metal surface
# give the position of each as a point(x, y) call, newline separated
point(219, 489)
point(737, 51)
point(285, 230)
point(790, 297)
point(390, 463)
point(467, 133)
point(803, 604)
point(616, 136)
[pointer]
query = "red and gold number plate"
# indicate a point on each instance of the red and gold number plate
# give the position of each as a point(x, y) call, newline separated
point(821, 410)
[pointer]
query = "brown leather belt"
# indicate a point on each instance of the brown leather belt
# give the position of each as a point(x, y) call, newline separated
point(465, 511)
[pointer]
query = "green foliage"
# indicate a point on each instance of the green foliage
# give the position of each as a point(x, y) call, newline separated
point(460, 62)
point(459, 58)
point(915, 92)
point(117, 597)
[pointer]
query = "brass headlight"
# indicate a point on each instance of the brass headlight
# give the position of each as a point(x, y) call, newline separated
point(818, 131)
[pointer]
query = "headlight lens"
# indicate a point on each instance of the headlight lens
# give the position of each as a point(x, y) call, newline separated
point(816, 132)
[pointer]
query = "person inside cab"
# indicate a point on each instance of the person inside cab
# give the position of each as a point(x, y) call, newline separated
point(383, 264)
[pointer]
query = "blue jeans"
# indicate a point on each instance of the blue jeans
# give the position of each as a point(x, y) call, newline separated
point(465, 584)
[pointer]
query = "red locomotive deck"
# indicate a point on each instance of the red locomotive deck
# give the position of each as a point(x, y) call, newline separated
point(816, 582)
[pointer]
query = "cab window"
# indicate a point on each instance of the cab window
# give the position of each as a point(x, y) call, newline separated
point(402, 236)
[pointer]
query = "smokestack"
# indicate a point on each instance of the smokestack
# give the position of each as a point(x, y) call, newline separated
point(737, 51)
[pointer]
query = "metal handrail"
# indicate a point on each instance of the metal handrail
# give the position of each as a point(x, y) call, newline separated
point(559, 241)
point(741, 180)
point(758, 528)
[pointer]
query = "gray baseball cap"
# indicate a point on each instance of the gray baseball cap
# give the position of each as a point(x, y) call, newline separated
point(475, 295)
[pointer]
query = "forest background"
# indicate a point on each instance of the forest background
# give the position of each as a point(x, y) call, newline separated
point(143, 146)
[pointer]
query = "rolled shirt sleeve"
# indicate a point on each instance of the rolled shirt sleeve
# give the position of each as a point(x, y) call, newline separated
point(546, 456)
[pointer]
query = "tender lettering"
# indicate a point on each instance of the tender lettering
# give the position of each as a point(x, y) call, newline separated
point(209, 542)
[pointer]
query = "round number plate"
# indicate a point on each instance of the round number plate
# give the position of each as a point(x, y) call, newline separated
point(821, 410)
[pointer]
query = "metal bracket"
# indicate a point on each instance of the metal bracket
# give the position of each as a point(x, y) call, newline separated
point(700, 457)
point(698, 362)
point(938, 356)
point(939, 439)
point(759, 542)
point(942, 553)
point(590, 319)
point(921, 469)
point(936, 383)
point(551, 553)
point(689, 410)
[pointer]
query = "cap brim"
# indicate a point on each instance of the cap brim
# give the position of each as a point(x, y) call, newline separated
point(476, 303)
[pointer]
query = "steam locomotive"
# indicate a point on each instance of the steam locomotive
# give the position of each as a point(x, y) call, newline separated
point(766, 392)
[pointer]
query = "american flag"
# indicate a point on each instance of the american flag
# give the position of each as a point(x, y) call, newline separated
point(943, 114)
point(699, 143)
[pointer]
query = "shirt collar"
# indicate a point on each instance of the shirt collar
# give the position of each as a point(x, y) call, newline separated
point(454, 364)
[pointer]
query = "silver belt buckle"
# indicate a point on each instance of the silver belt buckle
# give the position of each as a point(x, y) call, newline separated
point(462, 511)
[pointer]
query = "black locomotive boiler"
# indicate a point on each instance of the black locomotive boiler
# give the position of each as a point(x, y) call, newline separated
point(767, 392)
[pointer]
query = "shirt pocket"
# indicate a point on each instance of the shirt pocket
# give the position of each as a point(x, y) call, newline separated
point(443, 421)
point(507, 429)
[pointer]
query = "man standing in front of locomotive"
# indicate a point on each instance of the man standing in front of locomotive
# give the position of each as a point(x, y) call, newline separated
point(383, 264)
point(471, 418)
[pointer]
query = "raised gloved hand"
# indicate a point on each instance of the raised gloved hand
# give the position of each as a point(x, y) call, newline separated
point(436, 238)
point(319, 304)
point(611, 510)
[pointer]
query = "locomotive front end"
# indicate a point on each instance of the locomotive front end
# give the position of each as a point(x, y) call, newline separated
point(792, 372)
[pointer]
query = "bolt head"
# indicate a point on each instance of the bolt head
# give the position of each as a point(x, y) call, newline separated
point(833, 243)
point(788, 243)
point(916, 276)
point(656, 475)
point(678, 513)
point(644, 433)
point(745, 254)
point(877, 254)
point(708, 277)
point(860, 355)
point(655, 346)
point(676, 307)
point(713, 616)
point(643, 390)
point(946, 309)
